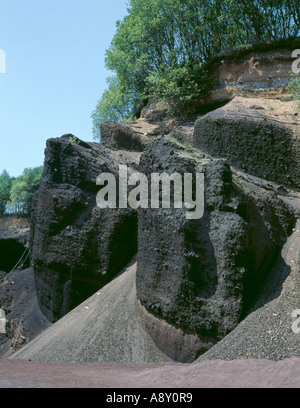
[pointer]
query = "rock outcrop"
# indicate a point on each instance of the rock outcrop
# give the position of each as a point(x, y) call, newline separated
point(122, 137)
point(261, 71)
point(197, 280)
point(254, 138)
point(76, 248)
point(202, 276)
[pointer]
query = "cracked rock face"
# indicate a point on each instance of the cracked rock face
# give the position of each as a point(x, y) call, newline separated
point(76, 248)
point(197, 279)
point(202, 276)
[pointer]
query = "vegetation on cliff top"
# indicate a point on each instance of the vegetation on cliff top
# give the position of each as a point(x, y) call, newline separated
point(161, 47)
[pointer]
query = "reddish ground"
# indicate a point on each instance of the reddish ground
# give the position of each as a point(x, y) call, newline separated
point(208, 374)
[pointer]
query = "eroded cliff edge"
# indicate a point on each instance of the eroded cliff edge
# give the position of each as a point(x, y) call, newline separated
point(196, 279)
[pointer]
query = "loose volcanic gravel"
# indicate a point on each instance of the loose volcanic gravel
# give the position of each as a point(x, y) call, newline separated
point(107, 327)
point(270, 331)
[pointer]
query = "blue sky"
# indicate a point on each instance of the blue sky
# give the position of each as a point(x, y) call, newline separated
point(55, 72)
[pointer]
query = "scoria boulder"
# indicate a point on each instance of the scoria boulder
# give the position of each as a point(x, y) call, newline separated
point(202, 276)
point(76, 247)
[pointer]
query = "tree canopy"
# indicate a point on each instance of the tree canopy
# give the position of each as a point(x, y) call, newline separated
point(16, 194)
point(161, 46)
point(5, 186)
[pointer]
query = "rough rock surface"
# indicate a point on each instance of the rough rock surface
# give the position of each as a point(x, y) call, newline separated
point(271, 331)
point(174, 342)
point(154, 112)
point(76, 247)
point(122, 137)
point(254, 138)
point(219, 283)
point(261, 71)
point(202, 276)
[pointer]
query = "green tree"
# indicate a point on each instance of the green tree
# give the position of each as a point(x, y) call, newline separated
point(23, 190)
point(266, 20)
point(115, 104)
point(5, 186)
point(18, 197)
point(160, 48)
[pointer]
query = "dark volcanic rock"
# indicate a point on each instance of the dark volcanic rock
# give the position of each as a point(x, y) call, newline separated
point(197, 279)
point(122, 137)
point(252, 141)
point(202, 276)
point(76, 248)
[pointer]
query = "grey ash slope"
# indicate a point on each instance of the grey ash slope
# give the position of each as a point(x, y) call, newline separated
point(247, 225)
point(105, 328)
point(267, 332)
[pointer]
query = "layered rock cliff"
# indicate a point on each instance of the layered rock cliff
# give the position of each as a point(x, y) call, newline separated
point(262, 71)
point(196, 279)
